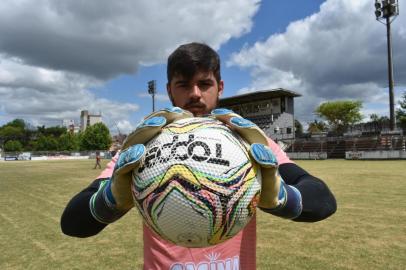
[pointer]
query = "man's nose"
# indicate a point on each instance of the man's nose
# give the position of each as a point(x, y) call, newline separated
point(196, 92)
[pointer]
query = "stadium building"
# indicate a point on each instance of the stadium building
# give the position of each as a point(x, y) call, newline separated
point(272, 110)
point(87, 119)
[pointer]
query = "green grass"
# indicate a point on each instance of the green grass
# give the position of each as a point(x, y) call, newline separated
point(367, 232)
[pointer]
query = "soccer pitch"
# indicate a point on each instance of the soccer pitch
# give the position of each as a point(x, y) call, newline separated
point(367, 232)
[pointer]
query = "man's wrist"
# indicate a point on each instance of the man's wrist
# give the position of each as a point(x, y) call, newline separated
point(103, 205)
point(290, 206)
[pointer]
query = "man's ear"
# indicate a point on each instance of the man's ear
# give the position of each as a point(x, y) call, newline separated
point(221, 88)
point(168, 90)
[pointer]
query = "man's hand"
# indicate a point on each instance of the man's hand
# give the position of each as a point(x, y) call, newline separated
point(274, 192)
point(133, 153)
point(114, 198)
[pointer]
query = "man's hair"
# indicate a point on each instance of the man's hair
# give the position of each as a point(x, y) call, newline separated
point(190, 58)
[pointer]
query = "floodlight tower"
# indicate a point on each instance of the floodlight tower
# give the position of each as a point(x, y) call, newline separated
point(152, 91)
point(385, 12)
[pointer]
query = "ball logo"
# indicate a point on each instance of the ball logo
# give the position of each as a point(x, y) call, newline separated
point(182, 150)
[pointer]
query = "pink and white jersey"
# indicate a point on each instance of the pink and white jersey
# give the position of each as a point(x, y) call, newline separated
point(236, 253)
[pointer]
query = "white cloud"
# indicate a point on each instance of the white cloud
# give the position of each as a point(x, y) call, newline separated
point(158, 97)
point(105, 38)
point(338, 53)
point(124, 127)
point(53, 52)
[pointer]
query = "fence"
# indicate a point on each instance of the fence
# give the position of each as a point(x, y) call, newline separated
point(55, 155)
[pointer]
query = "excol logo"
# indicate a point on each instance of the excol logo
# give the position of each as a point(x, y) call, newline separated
point(183, 150)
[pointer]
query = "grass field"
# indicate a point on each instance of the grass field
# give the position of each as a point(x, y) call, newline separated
point(367, 232)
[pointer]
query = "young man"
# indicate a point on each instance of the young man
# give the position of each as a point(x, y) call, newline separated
point(195, 85)
point(98, 158)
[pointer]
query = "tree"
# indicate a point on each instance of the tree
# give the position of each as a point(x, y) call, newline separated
point(46, 143)
point(401, 112)
point(317, 127)
point(340, 114)
point(298, 128)
point(13, 146)
point(96, 137)
point(68, 142)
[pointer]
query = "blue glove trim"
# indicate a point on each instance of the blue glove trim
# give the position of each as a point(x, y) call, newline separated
point(155, 121)
point(221, 111)
point(292, 207)
point(263, 155)
point(129, 156)
point(241, 122)
point(101, 207)
point(109, 194)
point(174, 110)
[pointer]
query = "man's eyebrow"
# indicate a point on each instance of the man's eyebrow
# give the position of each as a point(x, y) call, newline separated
point(181, 81)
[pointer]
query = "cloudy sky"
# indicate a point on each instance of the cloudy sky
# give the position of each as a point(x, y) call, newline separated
point(60, 57)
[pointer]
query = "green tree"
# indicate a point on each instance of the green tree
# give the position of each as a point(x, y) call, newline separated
point(18, 123)
point(68, 142)
point(317, 127)
point(298, 128)
point(401, 112)
point(340, 114)
point(96, 137)
point(13, 146)
point(46, 143)
point(52, 131)
point(8, 132)
point(16, 130)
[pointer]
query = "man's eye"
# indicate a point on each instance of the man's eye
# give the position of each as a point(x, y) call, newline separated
point(206, 84)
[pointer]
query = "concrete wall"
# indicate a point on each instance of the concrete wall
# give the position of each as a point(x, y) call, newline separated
point(390, 154)
point(307, 155)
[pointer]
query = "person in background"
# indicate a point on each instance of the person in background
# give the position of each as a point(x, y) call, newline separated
point(98, 159)
point(194, 86)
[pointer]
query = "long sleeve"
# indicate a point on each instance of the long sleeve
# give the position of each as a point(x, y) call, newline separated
point(76, 219)
point(317, 199)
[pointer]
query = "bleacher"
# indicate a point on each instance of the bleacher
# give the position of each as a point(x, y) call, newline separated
point(361, 144)
point(307, 146)
point(263, 121)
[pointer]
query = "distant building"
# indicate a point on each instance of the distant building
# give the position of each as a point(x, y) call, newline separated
point(87, 119)
point(272, 110)
point(70, 126)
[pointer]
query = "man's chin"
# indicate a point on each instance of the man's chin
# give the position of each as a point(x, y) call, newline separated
point(198, 111)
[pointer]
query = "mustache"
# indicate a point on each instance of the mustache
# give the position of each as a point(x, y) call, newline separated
point(195, 104)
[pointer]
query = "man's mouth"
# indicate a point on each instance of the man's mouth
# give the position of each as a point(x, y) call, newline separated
point(196, 109)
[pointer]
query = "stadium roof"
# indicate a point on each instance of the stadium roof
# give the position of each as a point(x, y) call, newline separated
point(258, 95)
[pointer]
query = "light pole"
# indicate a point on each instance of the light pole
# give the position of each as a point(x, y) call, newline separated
point(152, 91)
point(385, 12)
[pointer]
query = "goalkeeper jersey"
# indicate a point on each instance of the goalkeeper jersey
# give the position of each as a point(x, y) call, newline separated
point(236, 253)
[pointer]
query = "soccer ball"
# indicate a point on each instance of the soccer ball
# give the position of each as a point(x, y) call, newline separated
point(197, 185)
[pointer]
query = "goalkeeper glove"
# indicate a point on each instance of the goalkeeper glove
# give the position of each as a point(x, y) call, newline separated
point(276, 196)
point(113, 198)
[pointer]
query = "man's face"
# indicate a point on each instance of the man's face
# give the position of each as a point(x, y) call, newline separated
point(199, 95)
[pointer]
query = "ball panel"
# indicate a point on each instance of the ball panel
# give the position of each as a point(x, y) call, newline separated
point(197, 185)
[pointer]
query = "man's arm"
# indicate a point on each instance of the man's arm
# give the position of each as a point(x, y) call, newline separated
point(287, 190)
point(76, 219)
point(317, 200)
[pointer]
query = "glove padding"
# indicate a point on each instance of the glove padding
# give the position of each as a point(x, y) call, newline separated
point(273, 190)
point(153, 123)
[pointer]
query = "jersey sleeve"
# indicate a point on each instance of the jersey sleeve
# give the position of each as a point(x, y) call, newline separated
point(281, 156)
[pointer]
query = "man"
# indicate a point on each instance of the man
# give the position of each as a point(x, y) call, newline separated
point(195, 85)
point(98, 158)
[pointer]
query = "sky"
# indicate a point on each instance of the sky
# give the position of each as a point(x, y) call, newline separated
point(60, 57)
